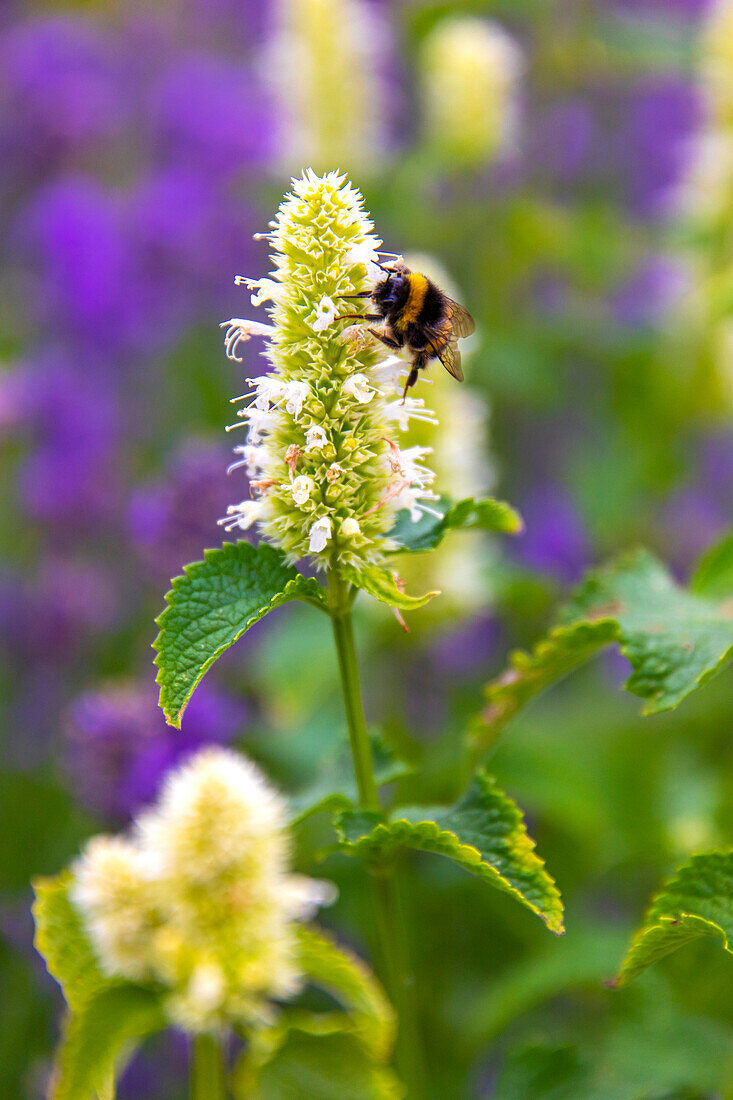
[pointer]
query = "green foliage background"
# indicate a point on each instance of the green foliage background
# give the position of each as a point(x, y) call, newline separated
point(615, 801)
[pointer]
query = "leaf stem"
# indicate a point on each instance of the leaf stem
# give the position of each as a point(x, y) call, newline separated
point(207, 1072)
point(389, 916)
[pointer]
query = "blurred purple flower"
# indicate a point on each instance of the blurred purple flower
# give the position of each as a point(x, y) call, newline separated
point(212, 115)
point(157, 1071)
point(173, 519)
point(51, 614)
point(658, 120)
point(73, 237)
point(692, 519)
point(190, 238)
point(554, 540)
point(563, 138)
point(652, 291)
point(63, 85)
point(69, 416)
point(679, 9)
point(120, 748)
point(460, 653)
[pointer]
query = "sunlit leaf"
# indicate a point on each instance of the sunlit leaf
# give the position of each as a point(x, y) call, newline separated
point(62, 941)
point(428, 532)
point(713, 576)
point(385, 587)
point(698, 901)
point(211, 606)
point(483, 832)
point(100, 1031)
point(350, 981)
point(675, 640)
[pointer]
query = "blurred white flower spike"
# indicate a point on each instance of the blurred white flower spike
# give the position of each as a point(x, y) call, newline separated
point(323, 422)
point(200, 897)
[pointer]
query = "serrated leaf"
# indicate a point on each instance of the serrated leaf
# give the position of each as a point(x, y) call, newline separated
point(100, 1032)
point(674, 639)
point(211, 606)
point(335, 786)
point(331, 1067)
point(384, 586)
point(350, 981)
point(62, 941)
point(713, 576)
point(429, 531)
point(483, 832)
point(698, 901)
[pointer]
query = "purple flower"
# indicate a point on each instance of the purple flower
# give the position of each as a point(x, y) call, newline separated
point(50, 615)
point(211, 114)
point(563, 138)
point(173, 519)
point(190, 238)
point(119, 746)
point(652, 291)
point(74, 238)
point(64, 88)
point(554, 540)
point(462, 652)
point(70, 418)
point(660, 116)
point(693, 520)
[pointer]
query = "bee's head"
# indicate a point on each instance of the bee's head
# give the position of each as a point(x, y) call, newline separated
point(392, 291)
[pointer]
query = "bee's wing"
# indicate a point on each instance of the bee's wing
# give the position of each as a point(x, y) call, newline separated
point(462, 323)
point(450, 357)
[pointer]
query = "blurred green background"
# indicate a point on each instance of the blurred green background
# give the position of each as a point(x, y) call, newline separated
point(566, 170)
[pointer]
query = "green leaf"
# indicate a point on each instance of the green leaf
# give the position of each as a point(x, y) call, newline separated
point(350, 981)
point(713, 576)
point(331, 1067)
point(100, 1033)
point(674, 639)
point(335, 786)
point(698, 901)
point(429, 531)
point(383, 585)
point(483, 832)
point(211, 606)
point(62, 941)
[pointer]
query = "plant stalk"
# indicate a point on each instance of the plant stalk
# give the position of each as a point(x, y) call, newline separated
point(207, 1072)
point(389, 917)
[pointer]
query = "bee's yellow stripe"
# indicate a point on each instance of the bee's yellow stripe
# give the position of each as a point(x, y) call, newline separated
point(413, 305)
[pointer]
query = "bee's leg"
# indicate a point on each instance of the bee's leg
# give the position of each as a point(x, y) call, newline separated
point(386, 340)
point(411, 380)
point(365, 294)
point(358, 317)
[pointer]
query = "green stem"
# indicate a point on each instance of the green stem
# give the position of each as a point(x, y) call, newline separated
point(207, 1072)
point(389, 918)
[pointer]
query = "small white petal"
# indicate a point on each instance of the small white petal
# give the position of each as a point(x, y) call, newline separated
point(325, 313)
point(320, 533)
point(266, 290)
point(301, 488)
point(357, 386)
point(315, 438)
point(242, 515)
point(295, 394)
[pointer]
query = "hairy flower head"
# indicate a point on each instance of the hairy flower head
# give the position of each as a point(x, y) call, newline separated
point(200, 896)
point(323, 423)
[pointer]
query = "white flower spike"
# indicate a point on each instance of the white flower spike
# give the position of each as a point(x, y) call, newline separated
point(200, 898)
point(323, 423)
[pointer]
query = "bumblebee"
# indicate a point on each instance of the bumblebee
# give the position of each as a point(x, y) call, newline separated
point(418, 316)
